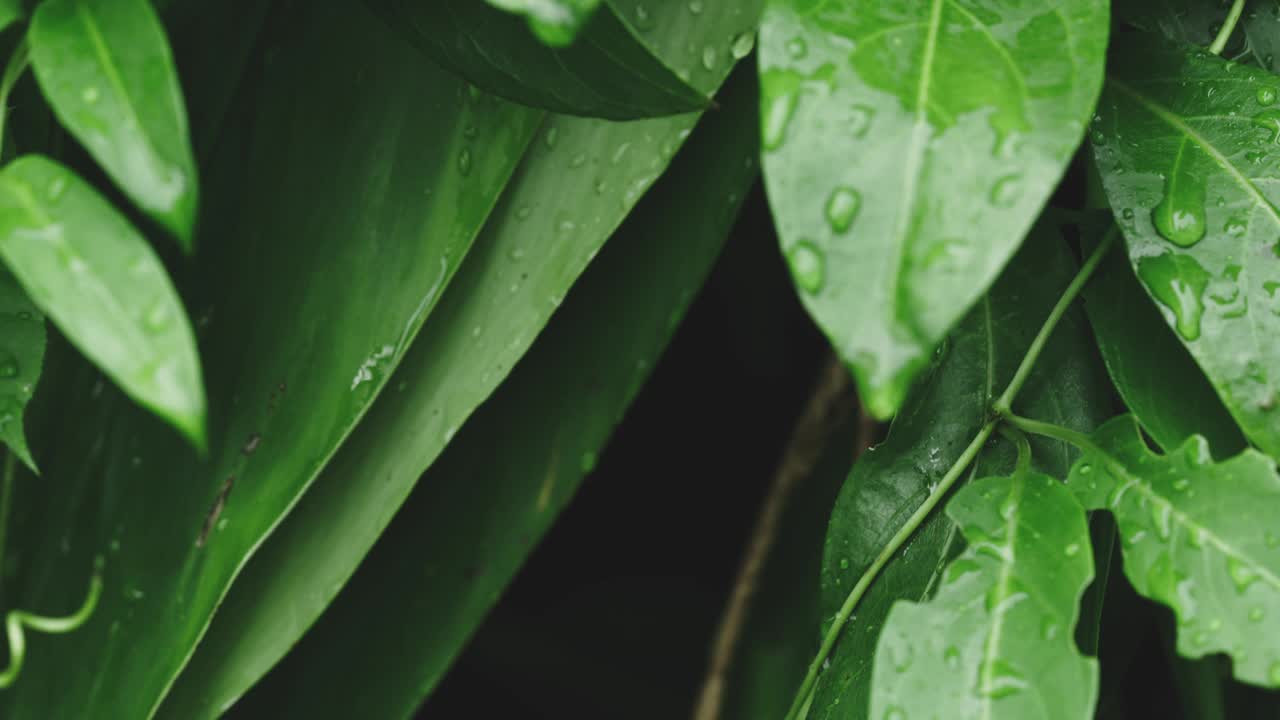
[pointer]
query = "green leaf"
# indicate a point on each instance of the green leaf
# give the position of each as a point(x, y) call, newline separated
point(1146, 364)
point(555, 22)
point(574, 187)
point(997, 640)
point(89, 270)
point(1199, 537)
point(11, 11)
point(479, 509)
point(607, 72)
point(940, 418)
point(910, 99)
point(106, 68)
point(21, 359)
point(1185, 147)
point(338, 233)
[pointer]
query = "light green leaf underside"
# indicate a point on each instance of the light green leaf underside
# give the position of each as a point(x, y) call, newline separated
point(106, 68)
point(555, 22)
point(997, 641)
point(909, 146)
point(940, 418)
point(1200, 537)
point(1186, 144)
point(22, 340)
point(89, 270)
point(577, 182)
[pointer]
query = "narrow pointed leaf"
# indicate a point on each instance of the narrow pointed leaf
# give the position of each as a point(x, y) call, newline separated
point(606, 72)
point(556, 22)
point(106, 68)
point(1145, 361)
point(22, 340)
point(89, 270)
point(871, 113)
point(944, 413)
point(479, 509)
point(341, 231)
point(1200, 537)
point(997, 641)
point(576, 184)
point(1186, 147)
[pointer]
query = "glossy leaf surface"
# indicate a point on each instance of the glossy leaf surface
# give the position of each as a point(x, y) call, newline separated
point(952, 123)
point(1145, 360)
point(342, 230)
point(1200, 537)
point(1186, 147)
point(90, 271)
point(944, 413)
point(578, 181)
point(556, 22)
point(479, 509)
point(106, 68)
point(606, 72)
point(22, 340)
point(997, 641)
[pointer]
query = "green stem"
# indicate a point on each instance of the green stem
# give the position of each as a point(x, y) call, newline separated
point(1019, 440)
point(1057, 432)
point(1228, 27)
point(1003, 403)
point(18, 62)
point(886, 554)
point(1000, 411)
point(52, 625)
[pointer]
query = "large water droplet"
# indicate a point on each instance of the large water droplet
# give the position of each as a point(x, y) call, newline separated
point(951, 656)
point(90, 95)
point(860, 120)
point(464, 162)
point(709, 57)
point(797, 48)
point(742, 45)
point(1241, 574)
point(1266, 96)
point(9, 367)
point(1006, 191)
point(1269, 120)
point(777, 116)
point(1049, 628)
point(807, 266)
point(1002, 681)
point(1178, 282)
point(1072, 550)
point(842, 207)
point(1180, 216)
point(895, 713)
point(157, 318)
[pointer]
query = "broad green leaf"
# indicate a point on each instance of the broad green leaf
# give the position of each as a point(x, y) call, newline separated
point(997, 641)
point(576, 184)
point(11, 11)
point(556, 22)
point(1160, 383)
point(943, 414)
point(86, 267)
point(1185, 144)
point(476, 508)
point(336, 234)
point(1198, 536)
point(909, 147)
point(21, 359)
point(607, 72)
point(106, 68)
point(779, 636)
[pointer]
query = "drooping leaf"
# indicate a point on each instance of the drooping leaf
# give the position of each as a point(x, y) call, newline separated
point(106, 68)
point(997, 641)
point(21, 359)
point(85, 266)
point(1200, 537)
point(911, 97)
point(479, 509)
point(556, 22)
point(341, 231)
point(574, 187)
point(943, 414)
point(1159, 381)
point(1186, 145)
point(606, 72)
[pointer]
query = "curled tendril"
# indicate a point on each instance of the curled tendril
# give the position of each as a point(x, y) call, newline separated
point(16, 619)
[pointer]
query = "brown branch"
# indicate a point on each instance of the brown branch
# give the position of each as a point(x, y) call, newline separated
point(828, 405)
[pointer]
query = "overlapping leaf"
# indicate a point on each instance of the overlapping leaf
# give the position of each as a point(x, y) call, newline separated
point(336, 234)
point(606, 72)
point(21, 359)
point(574, 187)
point(556, 22)
point(909, 147)
point(85, 266)
point(106, 68)
point(892, 480)
point(997, 640)
point(1186, 143)
point(1200, 537)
